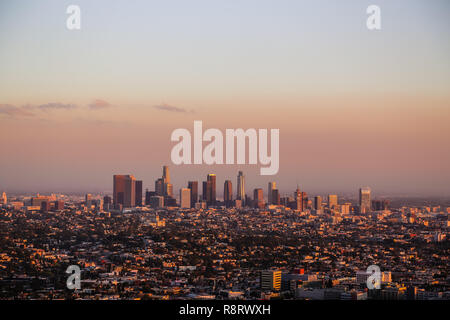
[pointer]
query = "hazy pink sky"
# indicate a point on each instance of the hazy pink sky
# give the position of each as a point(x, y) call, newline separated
point(354, 107)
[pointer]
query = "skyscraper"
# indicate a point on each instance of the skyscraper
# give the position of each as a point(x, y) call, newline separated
point(185, 198)
point(332, 201)
point(138, 193)
point(4, 198)
point(305, 203)
point(159, 187)
point(148, 195)
point(318, 202)
point(88, 200)
point(240, 186)
point(168, 189)
point(166, 174)
point(124, 190)
point(167, 186)
point(206, 192)
point(276, 197)
point(258, 198)
point(107, 203)
point(193, 185)
point(212, 188)
point(272, 185)
point(364, 200)
point(227, 193)
point(298, 199)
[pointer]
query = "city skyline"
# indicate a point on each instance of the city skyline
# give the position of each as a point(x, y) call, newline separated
point(249, 186)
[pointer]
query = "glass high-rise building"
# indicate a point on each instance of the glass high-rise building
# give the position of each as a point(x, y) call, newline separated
point(193, 185)
point(138, 193)
point(272, 185)
point(185, 198)
point(332, 200)
point(276, 197)
point(258, 198)
point(206, 193)
point(166, 174)
point(298, 199)
point(227, 193)
point(211, 188)
point(240, 186)
point(364, 200)
point(159, 187)
point(124, 190)
point(167, 186)
point(318, 202)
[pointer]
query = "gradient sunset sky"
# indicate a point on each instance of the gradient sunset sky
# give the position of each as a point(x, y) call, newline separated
point(354, 107)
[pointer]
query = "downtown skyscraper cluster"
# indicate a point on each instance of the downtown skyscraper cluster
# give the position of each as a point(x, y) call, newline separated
point(128, 194)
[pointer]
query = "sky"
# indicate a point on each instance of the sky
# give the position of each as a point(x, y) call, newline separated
point(354, 107)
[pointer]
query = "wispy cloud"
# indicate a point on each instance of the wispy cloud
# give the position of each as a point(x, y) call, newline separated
point(166, 107)
point(14, 111)
point(99, 104)
point(56, 105)
point(31, 110)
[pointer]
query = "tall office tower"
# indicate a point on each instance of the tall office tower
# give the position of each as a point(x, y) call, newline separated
point(364, 200)
point(276, 197)
point(271, 280)
point(193, 185)
point(159, 187)
point(272, 185)
point(240, 186)
point(4, 198)
point(107, 201)
point(305, 204)
point(88, 200)
point(148, 195)
point(258, 194)
point(258, 198)
point(332, 201)
point(318, 202)
point(124, 190)
point(138, 193)
point(168, 189)
point(345, 208)
point(166, 174)
point(298, 199)
point(206, 194)
point(212, 189)
point(185, 198)
point(228, 193)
